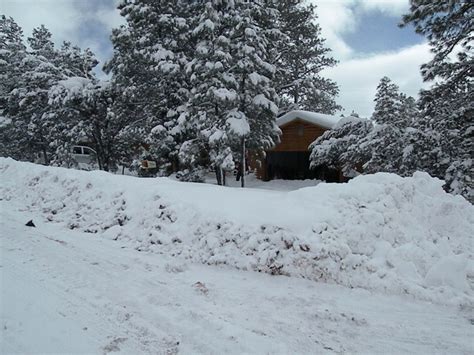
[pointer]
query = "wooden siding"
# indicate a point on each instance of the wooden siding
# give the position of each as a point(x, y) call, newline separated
point(297, 136)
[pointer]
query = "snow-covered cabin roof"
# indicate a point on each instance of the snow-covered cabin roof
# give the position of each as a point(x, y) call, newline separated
point(320, 119)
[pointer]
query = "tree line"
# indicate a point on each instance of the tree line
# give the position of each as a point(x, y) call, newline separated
point(435, 134)
point(201, 82)
point(197, 82)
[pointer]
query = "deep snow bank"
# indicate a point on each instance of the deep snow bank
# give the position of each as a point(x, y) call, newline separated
point(379, 232)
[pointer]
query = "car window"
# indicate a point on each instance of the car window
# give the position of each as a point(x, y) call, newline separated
point(87, 151)
point(77, 150)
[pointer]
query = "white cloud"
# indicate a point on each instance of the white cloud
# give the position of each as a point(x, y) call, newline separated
point(64, 18)
point(358, 78)
point(60, 17)
point(390, 7)
point(335, 18)
point(110, 17)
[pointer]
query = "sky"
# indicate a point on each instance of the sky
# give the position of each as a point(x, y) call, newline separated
point(362, 34)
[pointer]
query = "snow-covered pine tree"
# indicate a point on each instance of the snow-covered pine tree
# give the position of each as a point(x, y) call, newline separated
point(77, 62)
point(32, 115)
point(148, 73)
point(381, 144)
point(299, 56)
point(36, 123)
point(395, 116)
point(253, 118)
point(213, 89)
point(68, 111)
point(86, 105)
point(387, 103)
point(12, 52)
point(447, 119)
point(341, 147)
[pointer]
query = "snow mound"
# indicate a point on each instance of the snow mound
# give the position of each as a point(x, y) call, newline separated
point(379, 232)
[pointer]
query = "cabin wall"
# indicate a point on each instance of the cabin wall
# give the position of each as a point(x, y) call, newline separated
point(297, 136)
point(295, 139)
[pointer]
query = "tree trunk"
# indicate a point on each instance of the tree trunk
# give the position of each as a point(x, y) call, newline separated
point(218, 175)
point(45, 156)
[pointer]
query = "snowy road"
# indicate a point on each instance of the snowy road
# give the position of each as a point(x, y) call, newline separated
point(66, 291)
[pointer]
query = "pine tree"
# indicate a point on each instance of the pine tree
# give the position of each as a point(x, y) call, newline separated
point(300, 56)
point(41, 44)
point(387, 103)
point(386, 140)
point(75, 61)
point(148, 72)
point(12, 53)
point(31, 113)
point(343, 147)
point(384, 143)
point(447, 123)
point(253, 119)
point(213, 89)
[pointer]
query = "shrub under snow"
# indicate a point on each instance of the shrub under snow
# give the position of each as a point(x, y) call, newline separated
point(379, 232)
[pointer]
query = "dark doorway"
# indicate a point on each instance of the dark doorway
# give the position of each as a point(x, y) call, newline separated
point(295, 166)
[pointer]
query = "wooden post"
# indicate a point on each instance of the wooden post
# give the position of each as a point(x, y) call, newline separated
point(243, 163)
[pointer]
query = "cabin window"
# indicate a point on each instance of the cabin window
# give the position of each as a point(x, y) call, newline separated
point(301, 130)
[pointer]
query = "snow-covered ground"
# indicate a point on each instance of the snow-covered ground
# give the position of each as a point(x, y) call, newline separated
point(118, 264)
point(252, 182)
point(72, 292)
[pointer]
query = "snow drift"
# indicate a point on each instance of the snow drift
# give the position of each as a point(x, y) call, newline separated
point(379, 232)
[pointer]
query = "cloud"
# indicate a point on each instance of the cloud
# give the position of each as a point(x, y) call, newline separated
point(86, 24)
point(335, 18)
point(358, 78)
point(390, 7)
point(59, 17)
point(110, 17)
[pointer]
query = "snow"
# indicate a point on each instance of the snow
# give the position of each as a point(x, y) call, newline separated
point(216, 136)
point(225, 94)
point(4, 121)
point(69, 88)
point(163, 54)
point(206, 25)
point(349, 119)
point(381, 232)
point(320, 119)
point(68, 291)
point(238, 124)
point(256, 78)
point(262, 101)
point(74, 84)
point(251, 181)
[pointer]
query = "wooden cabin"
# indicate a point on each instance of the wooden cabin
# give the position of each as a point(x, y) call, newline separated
point(289, 159)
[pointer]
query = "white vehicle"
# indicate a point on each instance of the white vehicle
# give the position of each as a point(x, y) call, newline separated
point(85, 156)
